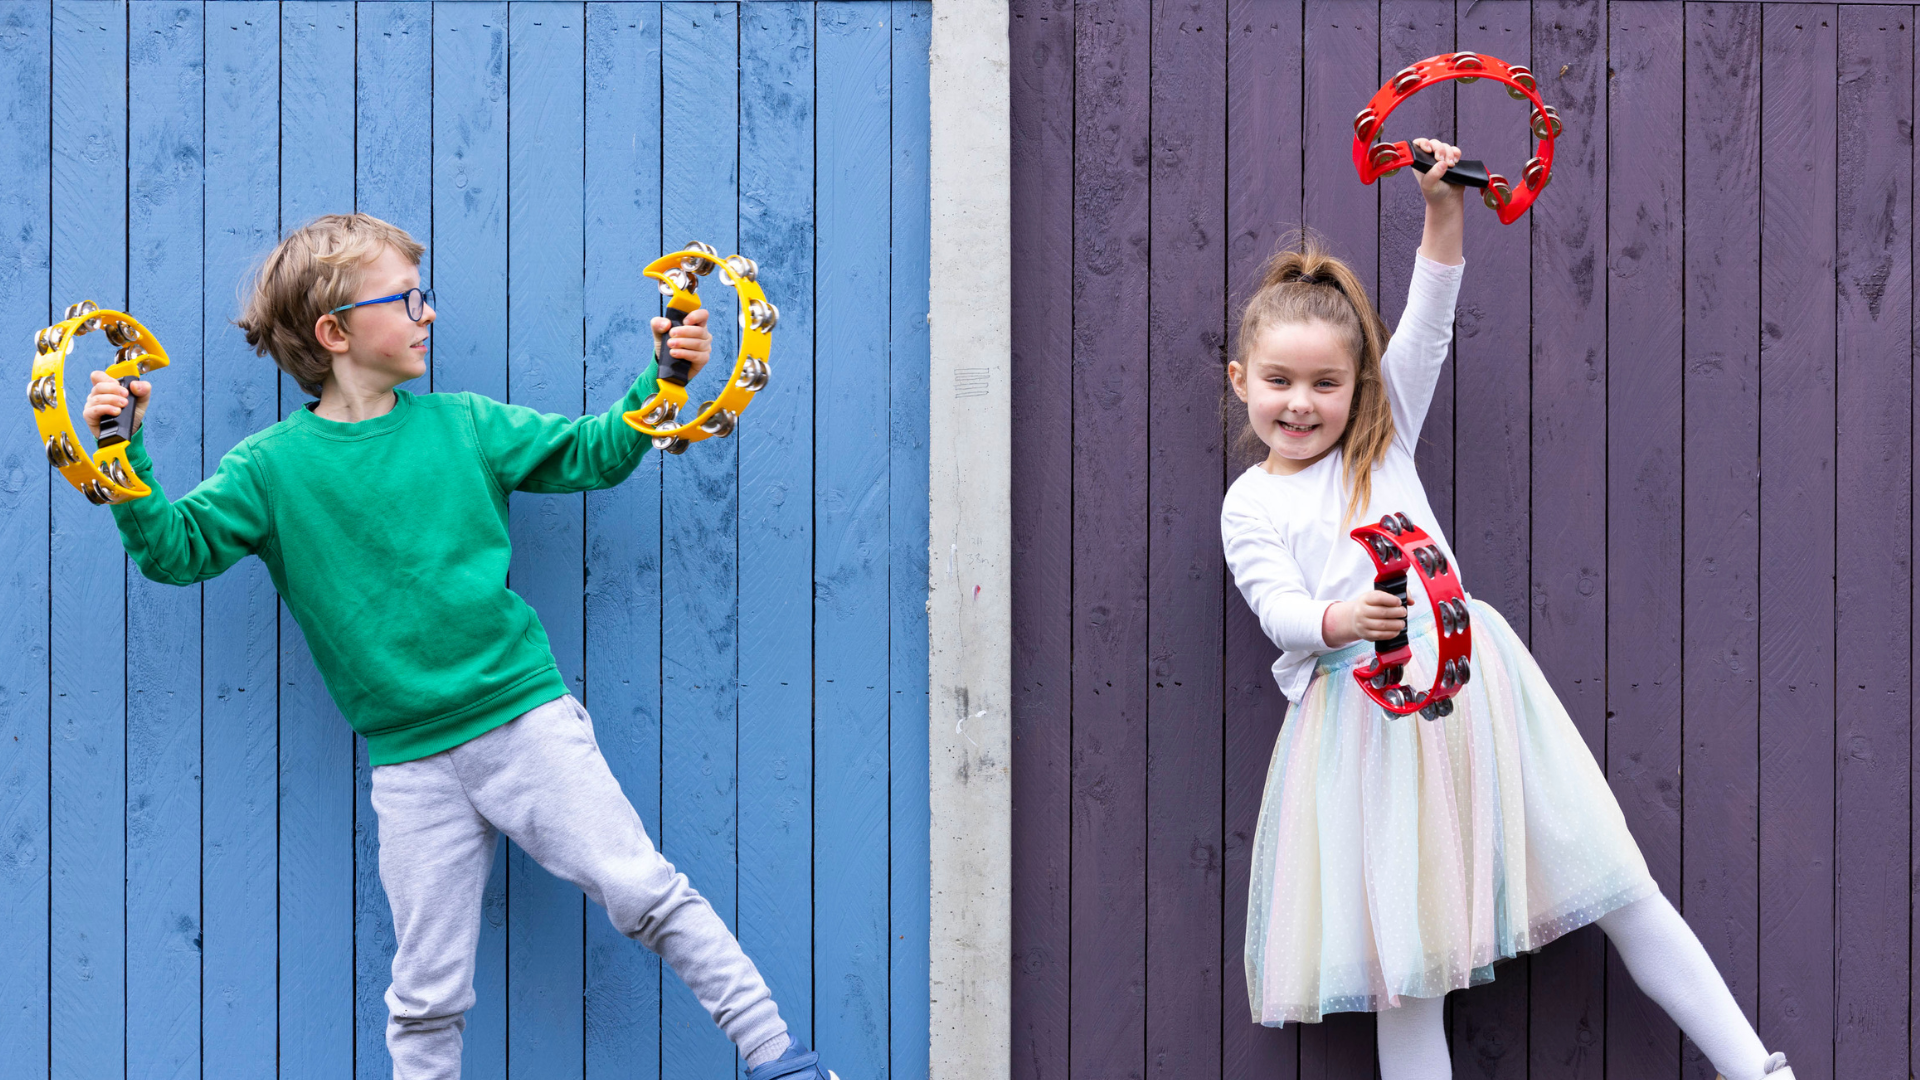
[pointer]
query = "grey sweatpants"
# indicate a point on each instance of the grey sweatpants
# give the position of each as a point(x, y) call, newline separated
point(541, 780)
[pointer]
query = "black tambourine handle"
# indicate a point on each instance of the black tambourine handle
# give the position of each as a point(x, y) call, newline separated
point(673, 369)
point(1463, 173)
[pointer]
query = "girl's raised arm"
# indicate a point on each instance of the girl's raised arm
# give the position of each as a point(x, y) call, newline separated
point(1446, 205)
point(1418, 348)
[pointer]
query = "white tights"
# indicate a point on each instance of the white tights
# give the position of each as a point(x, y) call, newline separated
point(1666, 961)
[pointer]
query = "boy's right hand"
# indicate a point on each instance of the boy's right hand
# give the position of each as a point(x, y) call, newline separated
point(108, 397)
point(1374, 616)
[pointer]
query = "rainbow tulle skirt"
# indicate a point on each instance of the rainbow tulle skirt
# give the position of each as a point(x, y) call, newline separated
point(1401, 857)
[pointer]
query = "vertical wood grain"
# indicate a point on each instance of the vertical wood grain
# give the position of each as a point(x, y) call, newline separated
point(1493, 445)
point(1186, 339)
point(1042, 157)
point(1644, 432)
point(1110, 510)
point(26, 32)
point(468, 352)
point(88, 770)
point(1263, 202)
point(239, 982)
point(851, 492)
point(545, 310)
point(1797, 525)
point(317, 748)
point(1873, 481)
point(1721, 484)
point(623, 586)
point(166, 86)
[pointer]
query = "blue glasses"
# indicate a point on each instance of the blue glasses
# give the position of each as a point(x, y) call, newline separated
point(417, 301)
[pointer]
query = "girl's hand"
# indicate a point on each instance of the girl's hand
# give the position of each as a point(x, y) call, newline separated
point(690, 341)
point(1433, 184)
point(108, 397)
point(1374, 616)
point(1446, 214)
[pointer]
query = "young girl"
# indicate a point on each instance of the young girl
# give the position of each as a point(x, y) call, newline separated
point(1399, 858)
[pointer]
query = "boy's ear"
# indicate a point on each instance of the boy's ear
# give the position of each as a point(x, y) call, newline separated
point(330, 334)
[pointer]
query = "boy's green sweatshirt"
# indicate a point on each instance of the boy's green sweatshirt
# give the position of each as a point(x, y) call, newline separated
point(388, 541)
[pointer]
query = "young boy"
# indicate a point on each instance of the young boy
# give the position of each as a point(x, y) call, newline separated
point(446, 671)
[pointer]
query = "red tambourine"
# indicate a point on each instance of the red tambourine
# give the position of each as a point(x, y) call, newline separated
point(1397, 545)
point(1375, 160)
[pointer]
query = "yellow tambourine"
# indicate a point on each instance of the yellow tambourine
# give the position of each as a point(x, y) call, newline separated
point(679, 276)
point(106, 477)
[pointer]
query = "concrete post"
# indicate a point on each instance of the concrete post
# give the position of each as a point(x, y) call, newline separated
point(969, 606)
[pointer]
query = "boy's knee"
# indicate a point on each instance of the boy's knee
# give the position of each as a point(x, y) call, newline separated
point(654, 911)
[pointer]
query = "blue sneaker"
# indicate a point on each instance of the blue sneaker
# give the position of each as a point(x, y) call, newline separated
point(798, 1063)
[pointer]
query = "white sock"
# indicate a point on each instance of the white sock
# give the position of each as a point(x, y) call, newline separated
point(1670, 966)
point(1413, 1041)
point(767, 1051)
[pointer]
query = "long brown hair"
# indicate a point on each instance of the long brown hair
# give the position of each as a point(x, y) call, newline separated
point(1302, 283)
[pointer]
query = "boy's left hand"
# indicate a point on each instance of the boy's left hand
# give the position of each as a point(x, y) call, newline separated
point(690, 341)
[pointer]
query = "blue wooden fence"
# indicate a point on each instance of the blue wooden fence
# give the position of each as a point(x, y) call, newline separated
point(187, 855)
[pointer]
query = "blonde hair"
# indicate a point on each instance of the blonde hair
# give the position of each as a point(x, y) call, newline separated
point(1304, 283)
point(313, 270)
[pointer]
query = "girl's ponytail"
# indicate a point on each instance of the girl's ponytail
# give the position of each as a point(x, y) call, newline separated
point(1303, 282)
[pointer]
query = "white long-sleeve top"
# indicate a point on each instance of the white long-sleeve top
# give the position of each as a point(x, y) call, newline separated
point(1290, 554)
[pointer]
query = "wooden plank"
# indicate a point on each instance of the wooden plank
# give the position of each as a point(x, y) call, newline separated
point(25, 719)
point(1873, 484)
point(316, 895)
point(468, 351)
point(1796, 1009)
point(1041, 194)
point(700, 631)
point(1645, 318)
point(1110, 510)
point(1413, 30)
point(1262, 201)
point(1492, 453)
point(1568, 478)
point(393, 181)
point(909, 807)
point(88, 770)
point(777, 66)
point(469, 192)
point(1913, 854)
point(623, 523)
point(545, 307)
point(1721, 491)
point(1341, 71)
point(851, 498)
point(1338, 1047)
point(1186, 339)
point(166, 87)
point(239, 991)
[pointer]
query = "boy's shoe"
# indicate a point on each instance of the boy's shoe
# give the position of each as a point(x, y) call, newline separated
point(800, 1063)
point(1776, 1068)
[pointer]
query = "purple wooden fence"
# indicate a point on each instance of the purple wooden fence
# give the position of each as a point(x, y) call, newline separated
point(1675, 449)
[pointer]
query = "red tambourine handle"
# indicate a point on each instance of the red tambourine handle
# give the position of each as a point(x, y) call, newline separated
point(1397, 546)
point(1374, 160)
